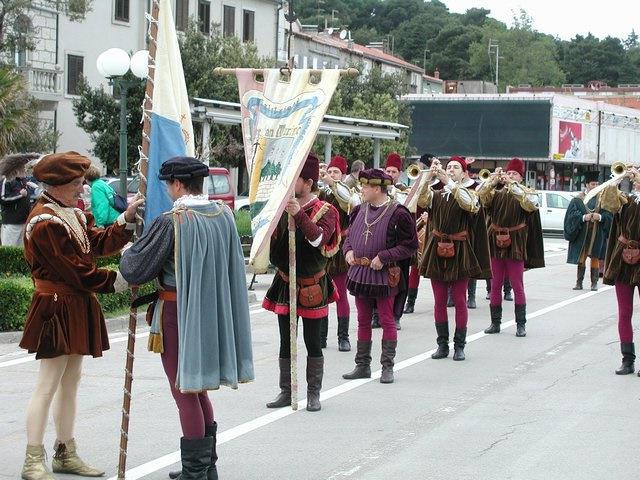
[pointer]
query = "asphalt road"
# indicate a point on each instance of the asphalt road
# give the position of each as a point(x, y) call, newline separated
point(547, 406)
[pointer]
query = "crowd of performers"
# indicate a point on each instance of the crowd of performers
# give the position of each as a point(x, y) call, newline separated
point(358, 232)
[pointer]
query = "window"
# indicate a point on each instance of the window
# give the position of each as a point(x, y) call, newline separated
point(557, 201)
point(229, 21)
point(248, 22)
point(182, 14)
point(75, 69)
point(218, 184)
point(204, 17)
point(121, 11)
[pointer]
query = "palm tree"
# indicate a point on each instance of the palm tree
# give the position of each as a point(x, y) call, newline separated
point(16, 111)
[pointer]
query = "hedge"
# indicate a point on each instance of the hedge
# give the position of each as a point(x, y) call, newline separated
point(243, 223)
point(12, 261)
point(15, 298)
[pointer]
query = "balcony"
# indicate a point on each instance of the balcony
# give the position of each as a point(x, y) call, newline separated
point(43, 83)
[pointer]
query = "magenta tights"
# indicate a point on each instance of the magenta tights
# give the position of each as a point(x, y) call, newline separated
point(624, 293)
point(195, 409)
point(459, 295)
point(342, 305)
point(385, 314)
point(502, 268)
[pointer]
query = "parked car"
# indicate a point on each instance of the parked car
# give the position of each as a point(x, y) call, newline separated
point(218, 186)
point(242, 203)
point(133, 183)
point(553, 207)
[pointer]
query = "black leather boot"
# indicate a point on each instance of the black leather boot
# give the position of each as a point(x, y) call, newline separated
point(594, 279)
point(343, 334)
point(375, 320)
point(496, 319)
point(628, 359)
point(284, 397)
point(459, 341)
point(450, 302)
point(411, 300)
point(471, 293)
point(397, 320)
point(443, 341)
point(363, 362)
point(324, 331)
point(212, 473)
point(521, 320)
point(581, 271)
point(488, 297)
point(196, 456)
point(315, 372)
point(387, 360)
point(507, 290)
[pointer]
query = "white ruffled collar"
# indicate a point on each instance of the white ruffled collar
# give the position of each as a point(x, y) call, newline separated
point(191, 201)
point(635, 194)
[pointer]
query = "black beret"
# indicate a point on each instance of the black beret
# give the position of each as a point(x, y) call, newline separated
point(183, 168)
point(591, 176)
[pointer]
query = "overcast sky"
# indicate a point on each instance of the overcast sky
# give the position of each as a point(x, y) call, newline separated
point(564, 18)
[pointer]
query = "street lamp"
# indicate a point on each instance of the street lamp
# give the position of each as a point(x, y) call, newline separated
point(113, 64)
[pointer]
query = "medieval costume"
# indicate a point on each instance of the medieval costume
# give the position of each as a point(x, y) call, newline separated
point(515, 240)
point(317, 238)
point(622, 264)
point(587, 238)
point(15, 193)
point(457, 250)
point(337, 266)
point(65, 321)
point(388, 232)
point(200, 318)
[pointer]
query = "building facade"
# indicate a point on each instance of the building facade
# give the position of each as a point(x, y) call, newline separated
point(66, 51)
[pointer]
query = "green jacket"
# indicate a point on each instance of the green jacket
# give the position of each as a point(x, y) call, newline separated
point(102, 203)
point(579, 233)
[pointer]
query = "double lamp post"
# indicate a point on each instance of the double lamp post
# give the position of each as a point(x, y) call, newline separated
point(113, 64)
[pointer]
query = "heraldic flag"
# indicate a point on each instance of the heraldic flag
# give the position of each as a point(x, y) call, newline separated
point(171, 128)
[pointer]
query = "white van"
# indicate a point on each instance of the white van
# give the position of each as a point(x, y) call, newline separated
point(553, 207)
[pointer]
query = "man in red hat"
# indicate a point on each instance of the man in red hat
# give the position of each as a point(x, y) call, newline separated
point(65, 321)
point(317, 238)
point(381, 233)
point(333, 179)
point(515, 238)
point(393, 168)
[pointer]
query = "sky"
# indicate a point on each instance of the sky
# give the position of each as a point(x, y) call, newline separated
point(564, 18)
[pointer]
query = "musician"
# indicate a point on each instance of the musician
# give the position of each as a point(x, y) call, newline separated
point(586, 227)
point(515, 238)
point(351, 180)
point(457, 249)
point(622, 263)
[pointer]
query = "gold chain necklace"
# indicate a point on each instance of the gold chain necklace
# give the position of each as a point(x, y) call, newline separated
point(367, 231)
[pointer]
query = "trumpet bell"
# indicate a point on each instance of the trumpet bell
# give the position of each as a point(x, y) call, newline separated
point(618, 168)
point(484, 174)
point(414, 171)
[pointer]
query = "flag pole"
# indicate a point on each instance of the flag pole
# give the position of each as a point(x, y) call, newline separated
point(143, 167)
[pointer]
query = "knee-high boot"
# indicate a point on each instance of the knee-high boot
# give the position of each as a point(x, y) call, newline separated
point(315, 372)
point(284, 397)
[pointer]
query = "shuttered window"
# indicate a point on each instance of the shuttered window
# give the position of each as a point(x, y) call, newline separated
point(229, 21)
point(248, 25)
point(121, 13)
point(182, 14)
point(75, 70)
point(204, 17)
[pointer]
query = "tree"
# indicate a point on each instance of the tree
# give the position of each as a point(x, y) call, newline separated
point(588, 58)
point(375, 97)
point(632, 40)
point(450, 50)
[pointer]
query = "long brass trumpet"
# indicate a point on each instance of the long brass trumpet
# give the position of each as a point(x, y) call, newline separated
point(619, 171)
point(413, 171)
point(484, 174)
point(619, 168)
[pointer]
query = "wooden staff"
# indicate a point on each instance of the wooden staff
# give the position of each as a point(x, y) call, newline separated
point(293, 312)
point(142, 190)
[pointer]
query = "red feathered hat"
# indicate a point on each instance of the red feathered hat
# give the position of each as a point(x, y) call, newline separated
point(394, 160)
point(515, 165)
point(461, 161)
point(340, 163)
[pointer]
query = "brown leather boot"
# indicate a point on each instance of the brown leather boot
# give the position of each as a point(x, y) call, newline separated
point(363, 362)
point(284, 397)
point(315, 372)
point(387, 360)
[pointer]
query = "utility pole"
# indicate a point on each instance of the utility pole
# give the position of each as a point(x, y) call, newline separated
point(493, 46)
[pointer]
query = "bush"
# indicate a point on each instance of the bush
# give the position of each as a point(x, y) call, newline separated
point(243, 223)
point(15, 298)
point(12, 261)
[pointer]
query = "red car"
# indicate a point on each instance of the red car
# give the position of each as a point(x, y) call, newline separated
point(218, 186)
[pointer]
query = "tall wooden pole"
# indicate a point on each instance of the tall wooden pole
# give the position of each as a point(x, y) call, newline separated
point(143, 167)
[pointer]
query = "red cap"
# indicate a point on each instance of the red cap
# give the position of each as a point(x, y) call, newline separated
point(394, 160)
point(515, 165)
point(311, 168)
point(339, 163)
point(461, 161)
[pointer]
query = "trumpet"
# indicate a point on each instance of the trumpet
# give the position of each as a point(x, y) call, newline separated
point(619, 171)
point(619, 168)
point(484, 174)
point(414, 171)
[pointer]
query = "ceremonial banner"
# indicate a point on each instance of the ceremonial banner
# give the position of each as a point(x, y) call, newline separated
point(171, 128)
point(280, 120)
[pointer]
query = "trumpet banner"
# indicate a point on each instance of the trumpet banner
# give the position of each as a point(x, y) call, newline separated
point(280, 120)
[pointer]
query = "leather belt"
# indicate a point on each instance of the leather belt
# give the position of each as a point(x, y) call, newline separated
point(52, 288)
point(459, 237)
point(304, 281)
point(168, 295)
point(628, 243)
point(497, 229)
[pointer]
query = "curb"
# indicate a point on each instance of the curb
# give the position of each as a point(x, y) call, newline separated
point(114, 324)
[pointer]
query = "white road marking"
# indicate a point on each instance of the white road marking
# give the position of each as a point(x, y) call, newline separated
point(242, 429)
